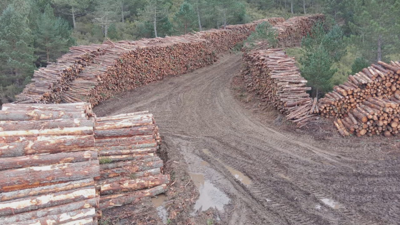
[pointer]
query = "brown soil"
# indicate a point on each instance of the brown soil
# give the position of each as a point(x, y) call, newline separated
point(211, 125)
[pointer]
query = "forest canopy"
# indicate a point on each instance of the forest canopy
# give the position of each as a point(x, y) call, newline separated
point(34, 33)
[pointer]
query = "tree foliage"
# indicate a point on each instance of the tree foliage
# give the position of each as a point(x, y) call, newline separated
point(321, 50)
point(16, 52)
point(53, 36)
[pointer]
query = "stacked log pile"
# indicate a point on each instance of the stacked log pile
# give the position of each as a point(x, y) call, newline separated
point(47, 164)
point(97, 72)
point(48, 81)
point(380, 80)
point(375, 116)
point(292, 31)
point(129, 166)
point(276, 79)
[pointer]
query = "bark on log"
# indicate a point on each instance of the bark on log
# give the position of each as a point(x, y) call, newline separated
point(48, 132)
point(44, 124)
point(20, 146)
point(31, 177)
point(56, 210)
point(71, 216)
point(6, 196)
point(130, 170)
point(125, 132)
point(117, 158)
point(44, 201)
point(42, 160)
point(110, 201)
point(104, 153)
point(128, 185)
point(40, 115)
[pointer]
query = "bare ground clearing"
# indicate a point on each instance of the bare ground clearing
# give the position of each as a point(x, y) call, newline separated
point(213, 127)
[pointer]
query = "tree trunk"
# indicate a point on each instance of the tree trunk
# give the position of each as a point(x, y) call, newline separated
point(304, 6)
point(73, 17)
point(380, 48)
point(291, 6)
point(155, 22)
point(122, 13)
point(198, 16)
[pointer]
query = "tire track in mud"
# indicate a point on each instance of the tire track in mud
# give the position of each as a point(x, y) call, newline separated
point(293, 176)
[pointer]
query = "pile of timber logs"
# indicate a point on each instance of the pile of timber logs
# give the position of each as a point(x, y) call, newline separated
point(380, 80)
point(50, 80)
point(96, 72)
point(47, 164)
point(277, 80)
point(129, 166)
point(375, 116)
point(292, 31)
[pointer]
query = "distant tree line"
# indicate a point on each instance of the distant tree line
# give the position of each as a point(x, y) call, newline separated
point(34, 33)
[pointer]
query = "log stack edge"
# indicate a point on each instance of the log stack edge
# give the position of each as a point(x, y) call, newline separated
point(60, 164)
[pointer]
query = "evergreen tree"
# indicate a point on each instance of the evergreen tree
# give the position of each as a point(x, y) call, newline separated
point(321, 50)
point(186, 17)
point(74, 8)
point(376, 28)
point(358, 65)
point(16, 53)
point(53, 36)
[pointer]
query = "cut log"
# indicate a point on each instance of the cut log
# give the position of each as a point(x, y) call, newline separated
point(6, 196)
point(44, 124)
point(128, 168)
point(40, 115)
point(56, 210)
point(20, 146)
point(49, 159)
point(71, 216)
point(44, 201)
point(125, 132)
point(128, 185)
point(110, 201)
point(31, 177)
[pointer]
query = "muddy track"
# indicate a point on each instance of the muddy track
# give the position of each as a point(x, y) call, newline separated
point(296, 179)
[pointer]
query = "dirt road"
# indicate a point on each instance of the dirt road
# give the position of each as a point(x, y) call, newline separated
point(295, 178)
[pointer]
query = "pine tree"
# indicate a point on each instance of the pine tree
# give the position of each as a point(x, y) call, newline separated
point(321, 50)
point(186, 17)
point(16, 52)
point(376, 28)
point(53, 36)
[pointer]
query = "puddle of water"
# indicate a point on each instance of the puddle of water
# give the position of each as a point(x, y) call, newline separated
point(210, 196)
point(158, 200)
point(331, 203)
point(197, 178)
point(158, 203)
point(236, 173)
point(239, 175)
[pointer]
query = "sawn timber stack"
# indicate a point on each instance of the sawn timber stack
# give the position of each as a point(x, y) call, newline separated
point(130, 168)
point(47, 164)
